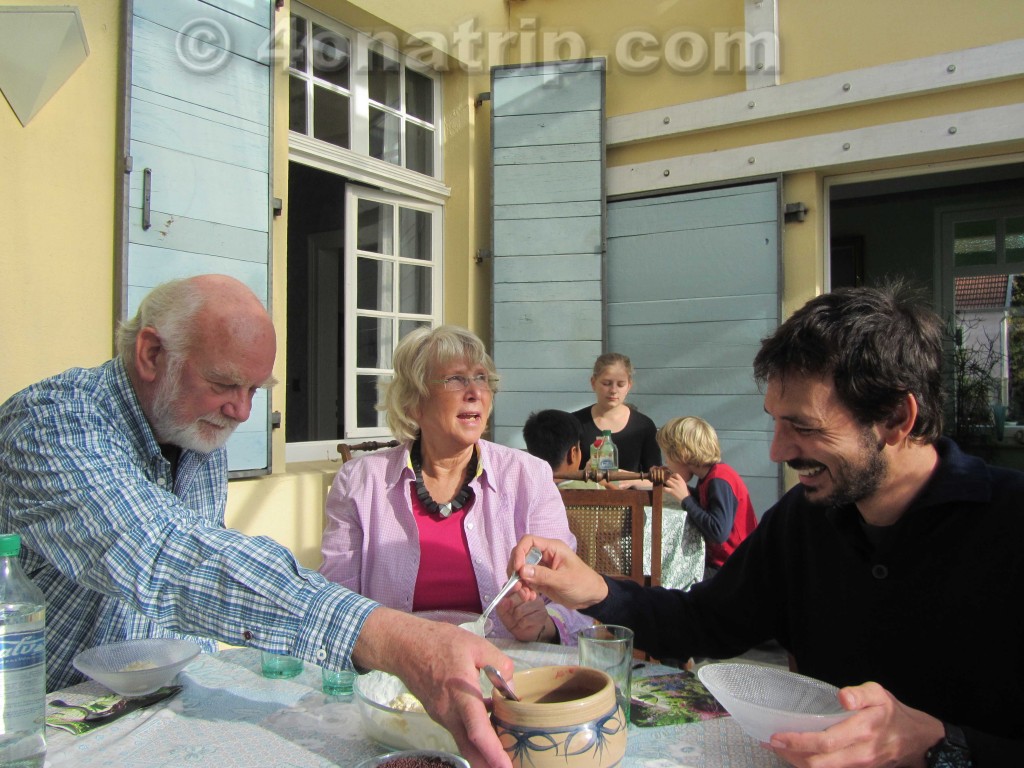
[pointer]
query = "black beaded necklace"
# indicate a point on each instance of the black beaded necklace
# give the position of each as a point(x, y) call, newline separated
point(462, 498)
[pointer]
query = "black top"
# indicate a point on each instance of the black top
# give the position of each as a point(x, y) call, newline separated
point(637, 443)
point(932, 612)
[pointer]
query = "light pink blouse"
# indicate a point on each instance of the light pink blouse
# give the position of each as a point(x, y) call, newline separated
point(371, 543)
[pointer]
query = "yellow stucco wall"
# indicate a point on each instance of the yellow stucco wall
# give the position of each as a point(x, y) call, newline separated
point(57, 200)
point(57, 216)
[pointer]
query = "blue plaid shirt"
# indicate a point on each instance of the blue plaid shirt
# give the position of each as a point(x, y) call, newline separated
point(124, 549)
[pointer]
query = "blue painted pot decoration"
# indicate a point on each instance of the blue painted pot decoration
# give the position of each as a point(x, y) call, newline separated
point(567, 717)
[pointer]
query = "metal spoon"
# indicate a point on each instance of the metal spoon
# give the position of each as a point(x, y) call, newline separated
point(499, 682)
point(479, 627)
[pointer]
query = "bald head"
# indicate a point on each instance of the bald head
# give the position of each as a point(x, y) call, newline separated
point(178, 308)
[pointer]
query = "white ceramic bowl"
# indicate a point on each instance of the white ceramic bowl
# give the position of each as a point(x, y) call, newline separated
point(136, 667)
point(435, 757)
point(393, 727)
point(766, 700)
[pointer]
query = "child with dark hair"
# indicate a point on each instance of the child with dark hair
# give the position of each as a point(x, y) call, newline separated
point(554, 436)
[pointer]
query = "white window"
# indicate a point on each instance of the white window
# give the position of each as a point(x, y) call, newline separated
point(365, 215)
point(354, 92)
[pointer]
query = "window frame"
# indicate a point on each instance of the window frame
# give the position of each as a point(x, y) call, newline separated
point(368, 176)
point(359, 95)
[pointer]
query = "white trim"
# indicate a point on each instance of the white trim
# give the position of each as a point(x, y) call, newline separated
point(761, 18)
point(959, 130)
point(366, 170)
point(972, 66)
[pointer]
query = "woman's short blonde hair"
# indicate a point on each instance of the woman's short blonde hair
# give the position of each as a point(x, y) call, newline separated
point(690, 440)
point(418, 356)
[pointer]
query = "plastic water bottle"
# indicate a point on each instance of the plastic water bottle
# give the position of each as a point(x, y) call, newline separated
point(22, 662)
point(608, 458)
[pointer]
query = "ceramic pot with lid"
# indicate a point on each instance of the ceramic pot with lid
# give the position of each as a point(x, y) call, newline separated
point(567, 716)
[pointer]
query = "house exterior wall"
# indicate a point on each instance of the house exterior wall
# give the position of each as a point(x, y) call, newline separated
point(61, 171)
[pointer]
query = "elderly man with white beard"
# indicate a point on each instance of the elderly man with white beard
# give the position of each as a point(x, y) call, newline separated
point(115, 478)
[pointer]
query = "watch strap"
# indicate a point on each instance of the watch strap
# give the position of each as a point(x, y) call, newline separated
point(951, 751)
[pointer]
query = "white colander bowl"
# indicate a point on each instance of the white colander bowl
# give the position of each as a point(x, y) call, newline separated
point(136, 667)
point(766, 700)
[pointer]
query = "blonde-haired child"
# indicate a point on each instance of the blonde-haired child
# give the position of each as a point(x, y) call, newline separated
point(721, 510)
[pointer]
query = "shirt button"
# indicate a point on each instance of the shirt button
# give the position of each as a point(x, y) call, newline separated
point(161, 481)
point(469, 526)
point(477, 561)
point(879, 572)
point(321, 654)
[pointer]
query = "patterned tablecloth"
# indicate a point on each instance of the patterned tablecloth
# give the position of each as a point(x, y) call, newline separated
point(230, 716)
point(682, 549)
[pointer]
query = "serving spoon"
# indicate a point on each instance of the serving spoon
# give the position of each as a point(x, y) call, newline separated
point(479, 626)
point(499, 682)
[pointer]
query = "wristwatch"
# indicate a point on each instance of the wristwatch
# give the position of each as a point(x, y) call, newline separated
point(951, 751)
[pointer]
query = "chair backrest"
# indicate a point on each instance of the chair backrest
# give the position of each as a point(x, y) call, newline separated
point(345, 451)
point(609, 526)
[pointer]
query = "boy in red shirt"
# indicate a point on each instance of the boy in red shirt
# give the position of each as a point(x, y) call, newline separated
point(721, 510)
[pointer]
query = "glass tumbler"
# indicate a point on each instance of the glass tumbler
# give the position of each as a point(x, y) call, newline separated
point(337, 683)
point(279, 665)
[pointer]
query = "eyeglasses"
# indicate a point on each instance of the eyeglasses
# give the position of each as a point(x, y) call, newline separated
point(457, 383)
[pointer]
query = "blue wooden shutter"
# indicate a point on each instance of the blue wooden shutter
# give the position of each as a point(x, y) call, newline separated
point(693, 287)
point(198, 126)
point(548, 213)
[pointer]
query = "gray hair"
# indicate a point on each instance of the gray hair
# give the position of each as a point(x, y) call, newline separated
point(169, 308)
point(418, 354)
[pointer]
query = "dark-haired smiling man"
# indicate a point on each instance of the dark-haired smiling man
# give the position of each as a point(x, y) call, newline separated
point(893, 570)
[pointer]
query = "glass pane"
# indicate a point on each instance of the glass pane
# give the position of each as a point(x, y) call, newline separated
point(415, 229)
point(330, 117)
point(1015, 239)
point(330, 56)
point(297, 104)
point(414, 289)
point(367, 395)
point(373, 342)
point(405, 327)
point(385, 140)
point(376, 227)
point(419, 149)
point(974, 243)
point(384, 80)
point(374, 284)
point(298, 43)
point(419, 96)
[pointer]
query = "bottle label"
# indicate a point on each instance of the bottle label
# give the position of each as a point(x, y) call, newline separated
point(22, 684)
point(605, 462)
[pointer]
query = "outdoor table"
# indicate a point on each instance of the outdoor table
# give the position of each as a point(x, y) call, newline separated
point(230, 716)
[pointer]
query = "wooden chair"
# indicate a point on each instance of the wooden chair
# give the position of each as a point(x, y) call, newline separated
point(609, 529)
point(345, 451)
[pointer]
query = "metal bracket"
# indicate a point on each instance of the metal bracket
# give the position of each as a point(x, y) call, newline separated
point(277, 204)
point(794, 212)
point(481, 254)
point(481, 98)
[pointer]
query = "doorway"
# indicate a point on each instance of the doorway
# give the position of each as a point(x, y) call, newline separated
point(959, 235)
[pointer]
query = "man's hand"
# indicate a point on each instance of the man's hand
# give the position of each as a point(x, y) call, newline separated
point(560, 576)
point(882, 732)
point(439, 663)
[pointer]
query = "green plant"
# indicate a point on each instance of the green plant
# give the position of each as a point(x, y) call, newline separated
point(974, 384)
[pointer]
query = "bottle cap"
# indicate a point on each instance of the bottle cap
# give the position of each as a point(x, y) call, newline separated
point(10, 545)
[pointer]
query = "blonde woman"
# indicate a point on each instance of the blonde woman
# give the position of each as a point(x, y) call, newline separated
point(633, 433)
point(429, 525)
